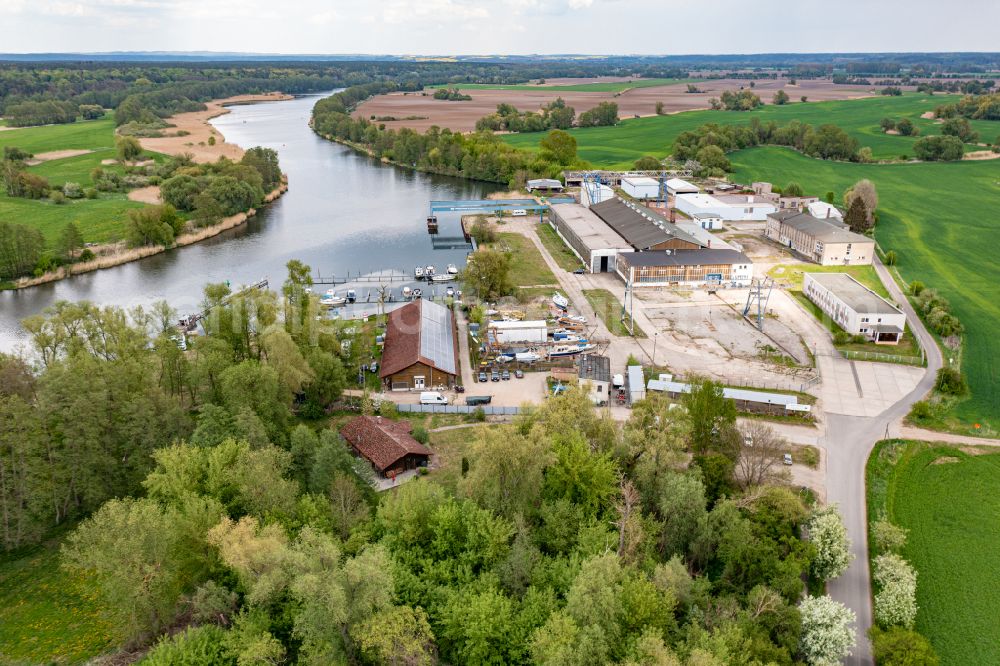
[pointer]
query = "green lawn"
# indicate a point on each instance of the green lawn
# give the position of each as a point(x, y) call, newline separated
point(792, 275)
point(529, 268)
point(940, 219)
point(609, 309)
point(612, 87)
point(48, 615)
point(557, 248)
point(947, 499)
point(620, 146)
point(100, 220)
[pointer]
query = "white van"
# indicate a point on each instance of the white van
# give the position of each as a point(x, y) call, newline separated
point(519, 212)
point(432, 398)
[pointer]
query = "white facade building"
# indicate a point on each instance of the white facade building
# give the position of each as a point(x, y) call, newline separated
point(709, 221)
point(731, 208)
point(824, 211)
point(677, 186)
point(507, 332)
point(854, 307)
point(641, 187)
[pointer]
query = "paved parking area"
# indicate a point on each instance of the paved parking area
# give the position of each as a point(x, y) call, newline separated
point(858, 388)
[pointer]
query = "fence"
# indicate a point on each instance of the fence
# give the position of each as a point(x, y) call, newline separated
point(879, 357)
point(489, 410)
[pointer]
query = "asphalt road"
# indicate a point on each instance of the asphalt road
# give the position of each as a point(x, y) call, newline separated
point(848, 442)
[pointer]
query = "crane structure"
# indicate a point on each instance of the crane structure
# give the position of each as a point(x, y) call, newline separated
point(760, 293)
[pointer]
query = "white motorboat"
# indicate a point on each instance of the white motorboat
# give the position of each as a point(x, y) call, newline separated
point(560, 301)
point(429, 271)
point(449, 292)
point(569, 350)
point(418, 272)
point(453, 269)
point(418, 292)
point(443, 277)
point(332, 301)
point(527, 357)
point(352, 296)
point(576, 319)
point(504, 358)
point(407, 292)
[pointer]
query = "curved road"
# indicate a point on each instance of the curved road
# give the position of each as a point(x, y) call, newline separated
point(849, 441)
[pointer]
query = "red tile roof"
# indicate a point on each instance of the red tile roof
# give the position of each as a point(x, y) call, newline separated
point(382, 441)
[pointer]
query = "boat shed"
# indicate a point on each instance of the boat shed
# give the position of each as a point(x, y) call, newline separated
point(642, 228)
point(546, 184)
point(421, 347)
point(594, 242)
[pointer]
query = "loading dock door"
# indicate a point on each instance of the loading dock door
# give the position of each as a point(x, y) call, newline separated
point(604, 264)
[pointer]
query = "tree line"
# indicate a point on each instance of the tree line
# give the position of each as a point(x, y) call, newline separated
point(480, 155)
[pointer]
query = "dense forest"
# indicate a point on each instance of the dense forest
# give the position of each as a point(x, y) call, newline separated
point(561, 538)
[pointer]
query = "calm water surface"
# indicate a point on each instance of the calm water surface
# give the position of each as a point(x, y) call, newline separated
point(343, 212)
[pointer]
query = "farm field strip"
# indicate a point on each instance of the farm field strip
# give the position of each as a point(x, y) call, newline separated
point(945, 496)
point(597, 86)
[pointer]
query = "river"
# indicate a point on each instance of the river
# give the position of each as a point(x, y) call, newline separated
point(343, 212)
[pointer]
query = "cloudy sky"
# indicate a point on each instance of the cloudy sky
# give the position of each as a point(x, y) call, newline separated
point(498, 26)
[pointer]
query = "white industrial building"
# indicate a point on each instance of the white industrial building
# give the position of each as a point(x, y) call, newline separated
point(731, 208)
point(641, 187)
point(824, 211)
point(545, 184)
point(677, 186)
point(709, 221)
point(508, 332)
point(595, 193)
point(854, 307)
point(591, 239)
point(745, 399)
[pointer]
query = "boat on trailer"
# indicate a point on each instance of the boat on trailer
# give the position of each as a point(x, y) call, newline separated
point(569, 350)
point(560, 301)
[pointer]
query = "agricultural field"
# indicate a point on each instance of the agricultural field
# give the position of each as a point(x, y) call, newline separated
point(945, 496)
point(620, 146)
point(100, 220)
point(49, 615)
point(939, 218)
point(612, 86)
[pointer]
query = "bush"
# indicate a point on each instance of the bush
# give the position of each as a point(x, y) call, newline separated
point(916, 287)
point(421, 435)
point(950, 381)
point(86, 254)
point(905, 127)
point(888, 538)
point(197, 645)
point(647, 163)
point(479, 415)
point(902, 647)
point(939, 149)
point(841, 338)
point(57, 197)
point(896, 600)
point(921, 411)
point(90, 193)
point(890, 258)
point(72, 190)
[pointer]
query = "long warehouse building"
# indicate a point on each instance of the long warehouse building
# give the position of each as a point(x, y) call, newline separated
point(691, 268)
point(642, 228)
point(593, 241)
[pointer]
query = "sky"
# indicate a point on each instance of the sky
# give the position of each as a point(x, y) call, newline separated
point(514, 27)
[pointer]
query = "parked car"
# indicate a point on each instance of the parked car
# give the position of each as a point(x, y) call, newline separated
point(505, 375)
point(495, 376)
point(519, 373)
point(483, 377)
point(580, 271)
point(432, 398)
point(787, 459)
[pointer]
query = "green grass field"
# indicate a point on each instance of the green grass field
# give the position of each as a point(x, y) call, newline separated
point(100, 220)
point(529, 268)
point(609, 309)
point(947, 499)
point(940, 219)
point(571, 87)
point(557, 248)
point(620, 146)
point(49, 616)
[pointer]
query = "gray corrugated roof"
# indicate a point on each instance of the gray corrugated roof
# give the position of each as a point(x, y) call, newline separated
point(686, 258)
point(436, 341)
point(640, 232)
point(857, 296)
point(827, 230)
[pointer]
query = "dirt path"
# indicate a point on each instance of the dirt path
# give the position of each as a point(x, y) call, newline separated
point(909, 432)
point(147, 195)
point(55, 155)
point(199, 130)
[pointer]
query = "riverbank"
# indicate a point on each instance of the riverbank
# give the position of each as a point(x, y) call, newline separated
point(193, 134)
point(117, 254)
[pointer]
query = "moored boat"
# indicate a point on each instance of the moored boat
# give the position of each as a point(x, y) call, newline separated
point(443, 277)
point(429, 271)
point(418, 272)
point(407, 292)
point(453, 269)
point(418, 292)
point(560, 301)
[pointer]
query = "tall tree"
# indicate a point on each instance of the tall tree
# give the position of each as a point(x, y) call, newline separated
point(857, 216)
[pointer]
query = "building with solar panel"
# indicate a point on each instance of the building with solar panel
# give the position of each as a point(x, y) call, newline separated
point(421, 348)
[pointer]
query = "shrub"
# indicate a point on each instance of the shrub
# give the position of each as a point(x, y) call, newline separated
point(890, 258)
point(841, 338)
point(922, 410)
point(896, 600)
point(950, 381)
point(888, 538)
point(197, 645)
point(916, 287)
point(905, 127)
point(72, 190)
point(479, 416)
point(86, 254)
point(90, 193)
point(420, 434)
point(939, 149)
point(902, 647)
point(57, 197)
point(647, 163)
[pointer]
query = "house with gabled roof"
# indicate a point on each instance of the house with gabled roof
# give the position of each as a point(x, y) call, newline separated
point(421, 347)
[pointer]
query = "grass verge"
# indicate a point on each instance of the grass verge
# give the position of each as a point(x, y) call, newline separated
point(557, 248)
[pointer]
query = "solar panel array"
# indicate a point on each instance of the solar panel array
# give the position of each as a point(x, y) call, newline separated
point(437, 341)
